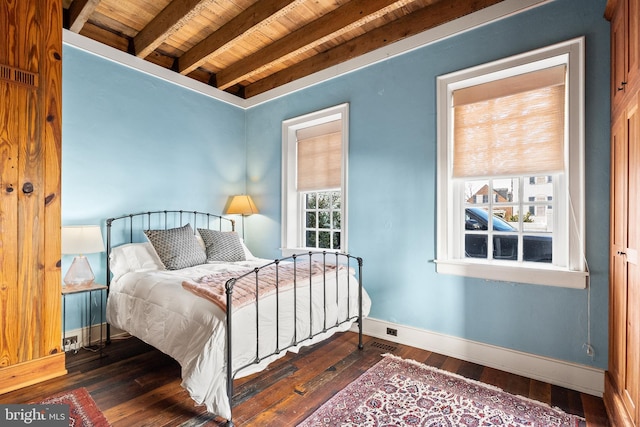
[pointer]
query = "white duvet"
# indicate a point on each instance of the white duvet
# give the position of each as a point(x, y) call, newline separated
point(153, 306)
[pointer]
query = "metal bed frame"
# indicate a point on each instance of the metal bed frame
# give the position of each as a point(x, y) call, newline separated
point(177, 218)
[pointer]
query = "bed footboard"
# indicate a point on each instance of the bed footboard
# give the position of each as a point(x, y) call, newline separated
point(329, 263)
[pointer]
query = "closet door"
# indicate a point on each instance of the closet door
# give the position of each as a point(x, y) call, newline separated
point(631, 371)
point(617, 267)
point(30, 146)
point(624, 359)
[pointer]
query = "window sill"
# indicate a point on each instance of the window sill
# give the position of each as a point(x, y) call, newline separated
point(535, 275)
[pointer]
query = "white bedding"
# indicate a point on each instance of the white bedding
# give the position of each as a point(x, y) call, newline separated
point(153, 306)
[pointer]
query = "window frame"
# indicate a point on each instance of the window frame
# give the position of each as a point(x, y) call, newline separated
point(571, 188)
point(293, 220)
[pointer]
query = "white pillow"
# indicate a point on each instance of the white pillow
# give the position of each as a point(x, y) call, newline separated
point(247, 253)
point(132, 257)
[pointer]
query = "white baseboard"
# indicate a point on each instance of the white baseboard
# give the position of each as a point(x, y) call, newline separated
point(574, 376)
point(582, 378)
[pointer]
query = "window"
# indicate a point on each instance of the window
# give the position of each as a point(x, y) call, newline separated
point(315, 148)
point(510, 169)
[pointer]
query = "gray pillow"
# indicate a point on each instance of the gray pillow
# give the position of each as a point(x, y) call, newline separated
point(177, 247)
point(222, 245)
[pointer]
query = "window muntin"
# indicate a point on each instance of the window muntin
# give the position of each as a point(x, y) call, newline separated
point(555, 201)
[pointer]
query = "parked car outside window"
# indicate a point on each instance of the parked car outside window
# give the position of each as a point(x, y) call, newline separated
point(535, 247)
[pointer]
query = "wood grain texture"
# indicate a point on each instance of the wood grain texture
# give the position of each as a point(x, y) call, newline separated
point(428, 17)
point(30, 143)
point(256, 45)
point(136, 385)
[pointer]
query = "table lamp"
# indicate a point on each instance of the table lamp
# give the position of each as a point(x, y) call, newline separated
point(242, 204)
point(78, 240)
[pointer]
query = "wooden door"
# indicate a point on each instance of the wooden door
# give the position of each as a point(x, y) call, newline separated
point(30, 146)
point(631, 373)
point(619, 56)
point(617, 267)
point(632, 35)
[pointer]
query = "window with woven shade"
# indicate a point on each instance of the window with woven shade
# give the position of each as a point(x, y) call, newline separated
point(510, 169)
point(498, 124)
point(319, 157)
point(315, 149)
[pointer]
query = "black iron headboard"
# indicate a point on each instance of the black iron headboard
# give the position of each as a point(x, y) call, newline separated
point(130, 228)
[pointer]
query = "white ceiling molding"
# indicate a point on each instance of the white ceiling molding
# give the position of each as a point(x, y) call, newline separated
point(485, 16)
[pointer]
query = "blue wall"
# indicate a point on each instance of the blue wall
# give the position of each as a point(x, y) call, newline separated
point(392, 188)
point(132, 143)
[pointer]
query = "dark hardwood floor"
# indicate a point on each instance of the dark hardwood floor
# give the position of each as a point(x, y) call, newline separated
point(136, 385)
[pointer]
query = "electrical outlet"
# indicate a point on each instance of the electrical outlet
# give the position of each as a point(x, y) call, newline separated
point(70, 343)
point(392, 332)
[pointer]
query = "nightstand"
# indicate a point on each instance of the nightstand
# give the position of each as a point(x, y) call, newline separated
point(88, 290)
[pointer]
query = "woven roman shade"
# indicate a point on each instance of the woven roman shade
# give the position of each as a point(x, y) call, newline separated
point(319, 159)
point(511, 126)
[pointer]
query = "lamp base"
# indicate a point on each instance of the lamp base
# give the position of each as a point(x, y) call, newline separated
point(79, 273)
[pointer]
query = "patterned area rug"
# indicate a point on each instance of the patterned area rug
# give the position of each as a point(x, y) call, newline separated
point(83, 411)
point(398, 392)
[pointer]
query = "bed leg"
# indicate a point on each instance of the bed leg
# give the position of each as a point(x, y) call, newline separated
point(229, 423)
point(360, 316)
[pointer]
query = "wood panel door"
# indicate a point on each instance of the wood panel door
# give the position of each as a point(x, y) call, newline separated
point(617, 265)
point(619, 59)
point(624, 294)
point(631, 372)
point(30, 148)
point(625, 50)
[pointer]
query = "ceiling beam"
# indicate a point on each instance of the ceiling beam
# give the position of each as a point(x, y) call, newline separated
point(253, 16)
point(167, 22)
point(409, 25)
point(79, 12)
point(348, 15)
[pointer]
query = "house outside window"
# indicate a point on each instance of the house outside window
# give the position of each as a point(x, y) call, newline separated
point(510, 169)
point(314, 209)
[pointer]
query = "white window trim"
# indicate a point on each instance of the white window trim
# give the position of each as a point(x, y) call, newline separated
point(292, 222)
point(575, 275)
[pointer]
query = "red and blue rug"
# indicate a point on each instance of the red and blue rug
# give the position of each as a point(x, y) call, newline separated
point(398, 392)
point(83, 411)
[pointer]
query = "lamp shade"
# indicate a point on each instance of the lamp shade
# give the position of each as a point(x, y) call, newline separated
point(242, 205)
point(82, 239)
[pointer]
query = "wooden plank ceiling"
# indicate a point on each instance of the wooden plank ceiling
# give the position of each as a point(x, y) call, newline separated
point(247, 47)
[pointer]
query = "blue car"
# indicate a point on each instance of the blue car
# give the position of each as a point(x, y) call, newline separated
point(536, 248)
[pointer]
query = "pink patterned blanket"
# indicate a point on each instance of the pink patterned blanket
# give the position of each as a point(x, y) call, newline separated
point(212, 286)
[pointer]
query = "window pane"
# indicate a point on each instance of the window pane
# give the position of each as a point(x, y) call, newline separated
point(475, 246)
point(336, 220)
point(512, 216)
point(336, 199)
point(324, 240)
point(475, 191)
point(504, 190)
point(336, 240)
point(311, 239)
point(505, 247)
point(324, 200)
point(311, 201)
point(324, 220)
point(538, 218)
point(537, 248)
point(311, 220)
